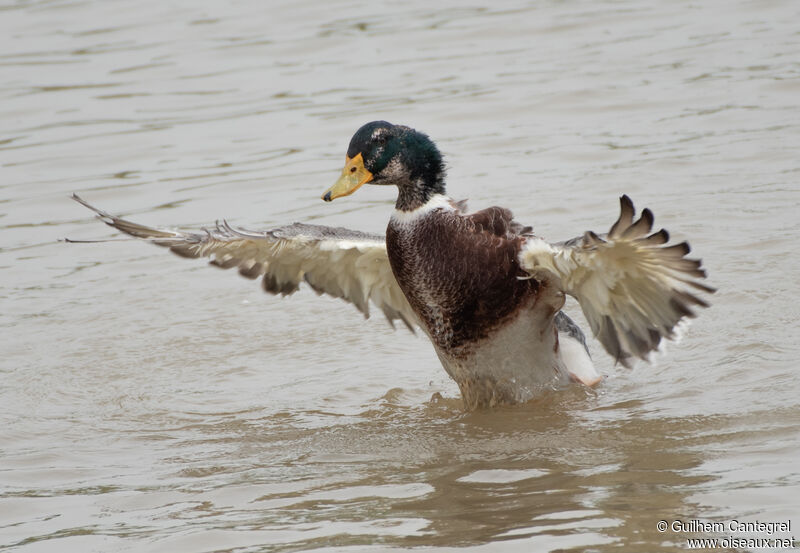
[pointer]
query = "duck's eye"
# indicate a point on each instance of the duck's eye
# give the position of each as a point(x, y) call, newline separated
point(352, 169)
point(382, 140)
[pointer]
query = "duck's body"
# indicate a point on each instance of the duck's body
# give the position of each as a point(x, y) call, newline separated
point(486, 291)
point(493, 328)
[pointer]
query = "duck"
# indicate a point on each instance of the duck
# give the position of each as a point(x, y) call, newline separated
point(485, 289)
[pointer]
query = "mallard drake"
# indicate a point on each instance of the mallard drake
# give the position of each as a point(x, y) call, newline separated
point(485, 289)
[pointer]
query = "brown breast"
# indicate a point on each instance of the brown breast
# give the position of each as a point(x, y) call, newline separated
point(459, 274)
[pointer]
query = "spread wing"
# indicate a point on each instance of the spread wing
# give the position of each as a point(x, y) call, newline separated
point(632, 287)
point(339, 262)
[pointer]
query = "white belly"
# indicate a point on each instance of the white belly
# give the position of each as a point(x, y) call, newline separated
point(516, 363)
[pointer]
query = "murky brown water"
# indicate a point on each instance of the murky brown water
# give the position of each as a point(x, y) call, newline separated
point(153, 404)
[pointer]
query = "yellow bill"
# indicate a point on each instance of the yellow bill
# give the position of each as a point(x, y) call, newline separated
point(353, 176)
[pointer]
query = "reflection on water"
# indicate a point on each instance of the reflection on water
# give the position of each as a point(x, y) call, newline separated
point(152, 404)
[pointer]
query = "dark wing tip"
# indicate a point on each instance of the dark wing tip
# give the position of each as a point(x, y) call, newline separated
point(625, 203)
point(590, 238)
point(100, 213)
point(641, 227)
point(658, 238)
point(272, 285)
point(678, 250)
point(647, 216)
point(253, 272)
point(224, 263)
point(703, 287)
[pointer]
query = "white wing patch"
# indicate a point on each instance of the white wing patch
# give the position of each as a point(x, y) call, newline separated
point(339, 262)
point(632, 288)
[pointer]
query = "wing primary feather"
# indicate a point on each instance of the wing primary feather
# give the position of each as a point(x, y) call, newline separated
point(274, 286)
point(658, 238)
point(691, 298)
point(608, 336)
point(252, 272)
point(625, 216)
point(592, 239)
point(641, 227)
point(678, 250)
point(697, 285)
point(224, 263)
point(681, 308)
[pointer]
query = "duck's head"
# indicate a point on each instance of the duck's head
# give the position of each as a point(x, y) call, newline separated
point(382, 153)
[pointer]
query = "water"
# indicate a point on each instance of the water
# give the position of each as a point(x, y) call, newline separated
point(150, 403)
